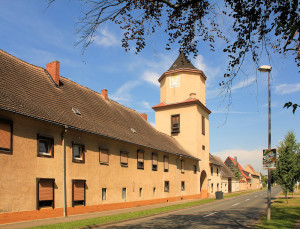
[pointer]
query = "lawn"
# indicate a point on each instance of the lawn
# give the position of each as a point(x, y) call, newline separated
point(283, 215)
point(133, 215)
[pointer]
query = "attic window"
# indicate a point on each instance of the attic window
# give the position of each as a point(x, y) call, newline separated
point(76, 111)
point(133, 130)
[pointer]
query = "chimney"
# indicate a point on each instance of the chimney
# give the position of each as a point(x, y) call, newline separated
point(235, 159)
point(104, 93)
point(53, 70)
point(144, 116)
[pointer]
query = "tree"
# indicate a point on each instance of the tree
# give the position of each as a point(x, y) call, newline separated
point(256, 26)
point(287, 167)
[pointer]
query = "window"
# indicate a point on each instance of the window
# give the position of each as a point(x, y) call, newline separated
point(124, 158)
point(182, 186)
point(167, 186)
point(217, 172)
point(211, 170)
point(78, 153)
point(45, 192)
point(124, 193)
point(45, 146)
point(217, 186)
point(182, 166)
point(140, 192)
point(166, 163)
point(203, 147)
point(175, 123)
point(103, 156)
point(78, 192)
point(140, 159)
point(212, 187)
point(154, 190)
point(203, 125)
point(154, 161)
point(103, 193)
point(175, 81)
point(195, 169)
point(6, 133)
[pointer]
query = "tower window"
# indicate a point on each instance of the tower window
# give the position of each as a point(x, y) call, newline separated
point(203, 125)
point(175, 123)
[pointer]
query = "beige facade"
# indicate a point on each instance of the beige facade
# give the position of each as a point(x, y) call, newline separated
point(185, 98)
point(22, 168)
point(215, 180)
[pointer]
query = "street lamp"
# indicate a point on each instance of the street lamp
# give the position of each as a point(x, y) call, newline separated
point(267, 68)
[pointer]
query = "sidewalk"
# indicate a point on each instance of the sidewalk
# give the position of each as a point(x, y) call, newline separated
point(40, 222)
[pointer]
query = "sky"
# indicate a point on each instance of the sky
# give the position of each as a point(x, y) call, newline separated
point(39, 35)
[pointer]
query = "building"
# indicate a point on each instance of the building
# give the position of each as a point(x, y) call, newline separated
point(65, 149)
point(228, 180)
point(182, 113)
point(215, 179)
point(245, 179)
point(255, 177)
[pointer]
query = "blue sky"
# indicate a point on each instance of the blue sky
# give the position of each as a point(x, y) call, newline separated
point(35, 34)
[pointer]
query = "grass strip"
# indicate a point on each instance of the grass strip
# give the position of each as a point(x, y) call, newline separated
point(124, 216)
point(283, 215)
point(132, 215)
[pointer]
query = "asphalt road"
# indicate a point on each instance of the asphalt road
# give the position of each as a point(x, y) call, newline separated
point(239, 212)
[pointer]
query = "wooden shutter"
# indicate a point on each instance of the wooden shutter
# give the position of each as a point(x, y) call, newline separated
point(45, 190)
point(154, 159)
point(124, 157)
point(175, 123)
point(78, 189)
point(140, 156)
point(104, 156)
point(166, 163)
point(5, 135)
point(203, 125)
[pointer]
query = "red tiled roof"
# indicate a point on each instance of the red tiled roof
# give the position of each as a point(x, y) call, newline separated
point(29, 90)
point(188, 101)
point(240, 168)
point(225, 171)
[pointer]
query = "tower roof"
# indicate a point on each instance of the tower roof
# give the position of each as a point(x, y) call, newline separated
point(182, 62)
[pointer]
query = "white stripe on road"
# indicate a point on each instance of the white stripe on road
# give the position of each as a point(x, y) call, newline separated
point(235, 204)
point(255, 196)
point(210, 214)
point(247, 199)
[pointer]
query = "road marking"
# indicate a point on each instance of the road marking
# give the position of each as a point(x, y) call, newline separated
point(255, 196)
point(235, 204)
point(210, 214)
point(247, 199)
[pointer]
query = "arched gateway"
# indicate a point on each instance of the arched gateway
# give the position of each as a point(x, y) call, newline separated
point(203, 184)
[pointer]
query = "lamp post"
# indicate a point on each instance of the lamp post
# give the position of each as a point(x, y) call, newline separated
point(267, 68)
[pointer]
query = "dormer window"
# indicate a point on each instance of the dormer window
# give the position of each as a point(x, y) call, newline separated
point(175, 81)
point(76, 111)
point(175, 123)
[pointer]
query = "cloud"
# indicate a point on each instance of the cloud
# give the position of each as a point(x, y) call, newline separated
point(244, 83)
point(106, 39)
point(123, 93)
point(151, 77)
point(210, 71)
point(287, 88)
point(244, 157)
point(146, 105)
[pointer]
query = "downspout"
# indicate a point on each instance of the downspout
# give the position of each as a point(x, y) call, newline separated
point(64, 169)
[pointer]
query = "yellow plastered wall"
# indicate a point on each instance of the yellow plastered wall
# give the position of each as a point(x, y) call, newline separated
point(189, 83)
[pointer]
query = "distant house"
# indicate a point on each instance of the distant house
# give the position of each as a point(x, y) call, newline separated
point(244, 178)
point(222, 175)
point(255, 177)
point(214, 181)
